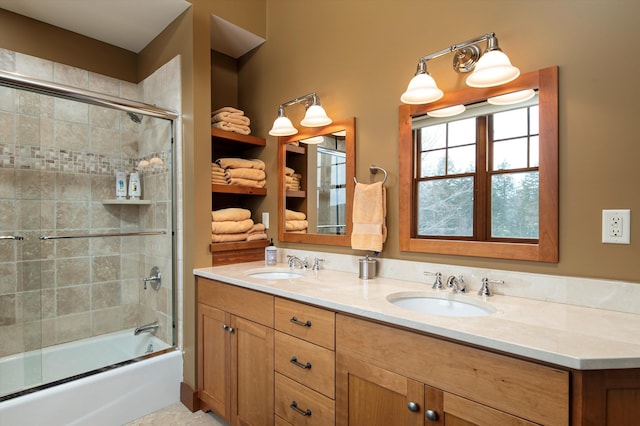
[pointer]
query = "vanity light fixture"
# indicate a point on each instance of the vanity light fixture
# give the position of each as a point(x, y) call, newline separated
point(512, 98)
point(315, 116)
point(492, 68)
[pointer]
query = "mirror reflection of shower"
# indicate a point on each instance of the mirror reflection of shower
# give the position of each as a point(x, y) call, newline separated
point(136, 118)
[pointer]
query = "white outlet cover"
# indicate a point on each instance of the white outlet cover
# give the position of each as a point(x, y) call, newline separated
point(616, 226)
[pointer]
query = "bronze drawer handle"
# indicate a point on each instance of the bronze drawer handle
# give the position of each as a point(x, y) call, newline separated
point(294, 361)
point(295, 321)
point(294, 406)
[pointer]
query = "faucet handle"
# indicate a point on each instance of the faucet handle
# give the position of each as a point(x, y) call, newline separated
point(316, 263)
point(437, 283)
point(485, 290)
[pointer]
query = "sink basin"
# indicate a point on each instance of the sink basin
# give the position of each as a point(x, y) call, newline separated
point(443, 305)
point(275, 274)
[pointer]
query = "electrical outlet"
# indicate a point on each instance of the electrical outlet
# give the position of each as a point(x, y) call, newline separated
point(616, 226)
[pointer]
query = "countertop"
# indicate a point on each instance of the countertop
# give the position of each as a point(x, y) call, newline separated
point(566, 335)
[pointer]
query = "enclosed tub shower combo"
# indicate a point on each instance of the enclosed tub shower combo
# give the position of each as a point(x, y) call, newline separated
point(86, 262)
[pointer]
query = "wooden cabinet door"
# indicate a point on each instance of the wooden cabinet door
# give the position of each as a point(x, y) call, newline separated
point(213, 360)
point(367, 395)
point(446, 409)
point(252, 383)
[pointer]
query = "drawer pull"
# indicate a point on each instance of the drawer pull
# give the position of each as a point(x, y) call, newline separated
point(303, 324)
point(294, 361)
point(294, 406)
point(226, 328)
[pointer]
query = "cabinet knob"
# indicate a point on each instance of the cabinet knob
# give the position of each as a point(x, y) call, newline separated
point(294, 407)
point(413, 407)
point(431, 415)
point(295, 321)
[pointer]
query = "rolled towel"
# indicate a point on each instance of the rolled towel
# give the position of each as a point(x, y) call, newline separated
point(227, 109)
point(231, 226)
point(231, 213)
point(294, 215)
point(242, 173)
point(247, 182)
point(232, 118)
point(257, 236)
point(295, 225)
point(239, 163)
point(228, 238)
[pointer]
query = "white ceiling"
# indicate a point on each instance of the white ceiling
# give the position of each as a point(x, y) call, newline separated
point(129, 24)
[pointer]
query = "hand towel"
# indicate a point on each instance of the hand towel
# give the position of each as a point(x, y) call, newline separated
point(231, 213)
point(231, 226)
point(243, 173)
point(247, 182)
point(369, 209)
point(294, 215)
point(295, 225)
point(238, 163)
point(228, 238)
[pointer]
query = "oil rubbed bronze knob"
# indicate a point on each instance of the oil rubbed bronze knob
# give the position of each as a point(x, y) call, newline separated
point(431, 415)
point(413, 407)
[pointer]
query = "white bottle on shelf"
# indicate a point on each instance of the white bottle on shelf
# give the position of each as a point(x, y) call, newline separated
point(134, 186)
point(121, 185)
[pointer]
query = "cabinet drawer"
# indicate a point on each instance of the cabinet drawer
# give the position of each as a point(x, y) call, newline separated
point(306, 363)
point(313, 324)
point(321, 409)
point(249, 304)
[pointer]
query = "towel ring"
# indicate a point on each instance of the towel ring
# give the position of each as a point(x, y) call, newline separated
point(373, 170)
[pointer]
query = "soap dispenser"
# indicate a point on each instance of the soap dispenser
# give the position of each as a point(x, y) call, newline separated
point(271, 254)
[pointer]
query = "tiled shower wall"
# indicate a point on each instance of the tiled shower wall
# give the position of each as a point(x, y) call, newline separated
point(57, 164)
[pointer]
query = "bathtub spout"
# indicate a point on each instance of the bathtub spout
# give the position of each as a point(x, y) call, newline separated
point(149, 328)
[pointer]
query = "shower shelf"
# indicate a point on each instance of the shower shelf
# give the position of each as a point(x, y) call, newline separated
point(128, 202)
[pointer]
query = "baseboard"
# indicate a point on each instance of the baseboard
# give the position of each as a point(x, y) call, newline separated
point(189, 397)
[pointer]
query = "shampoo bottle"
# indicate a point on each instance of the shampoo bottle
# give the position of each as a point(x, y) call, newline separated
point(271, 254)
point(121, 185)
point(134, 186)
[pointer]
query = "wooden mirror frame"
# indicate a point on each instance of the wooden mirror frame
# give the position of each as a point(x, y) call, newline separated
point(349, 125)
point(546, 249)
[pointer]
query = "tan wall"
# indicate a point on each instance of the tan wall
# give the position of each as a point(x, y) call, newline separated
point(45, 41)
point(360, 55)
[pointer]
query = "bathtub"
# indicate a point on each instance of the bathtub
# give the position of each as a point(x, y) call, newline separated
point(106, 395)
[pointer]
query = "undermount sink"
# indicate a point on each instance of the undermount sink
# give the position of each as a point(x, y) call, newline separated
point(446, 305)
point(275, 273)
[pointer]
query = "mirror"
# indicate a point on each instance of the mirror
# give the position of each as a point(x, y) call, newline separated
point(450, 182)
point(315, 184)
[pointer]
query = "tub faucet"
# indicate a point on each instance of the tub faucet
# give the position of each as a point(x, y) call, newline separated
point(456, 284)
point(295, 261)
point(149, 328)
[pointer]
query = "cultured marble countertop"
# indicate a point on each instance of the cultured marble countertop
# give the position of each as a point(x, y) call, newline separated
point(566, 335)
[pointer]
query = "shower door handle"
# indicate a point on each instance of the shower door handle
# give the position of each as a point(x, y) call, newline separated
point(11, 237)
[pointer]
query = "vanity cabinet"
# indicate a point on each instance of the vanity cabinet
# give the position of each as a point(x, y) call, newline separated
point(385, 373)
point(235, 145)
point(304, 364)
point(235, 353)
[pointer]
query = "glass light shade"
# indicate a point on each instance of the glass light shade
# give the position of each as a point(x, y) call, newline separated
point(316, 116)
point(493, 69)
point(448, 111)
point(282, 126)
point(422, 89)
point(313, 141)
point(513, 97)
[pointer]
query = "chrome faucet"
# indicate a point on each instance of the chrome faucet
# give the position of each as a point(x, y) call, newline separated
point(316, 264)
point(149, 328)
point(296, 262)
point(456, 284)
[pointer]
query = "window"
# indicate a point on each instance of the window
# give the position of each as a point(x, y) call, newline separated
point(452, 166)
point(482, 184)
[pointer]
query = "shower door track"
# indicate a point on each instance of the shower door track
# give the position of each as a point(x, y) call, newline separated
point(119, 234)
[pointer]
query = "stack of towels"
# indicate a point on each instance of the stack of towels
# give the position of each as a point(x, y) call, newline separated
point(231, 119)
point(369, 213)
point(295, 222)
point(239, 171)
point(235, 224)
point(292, 179)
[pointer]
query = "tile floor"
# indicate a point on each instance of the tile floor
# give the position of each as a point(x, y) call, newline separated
point(178, 415)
